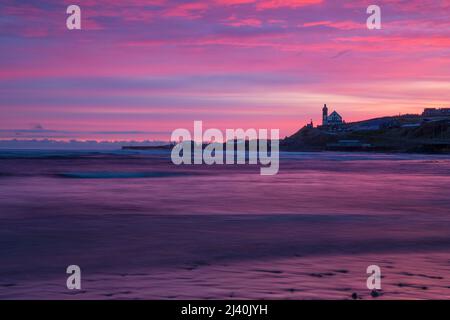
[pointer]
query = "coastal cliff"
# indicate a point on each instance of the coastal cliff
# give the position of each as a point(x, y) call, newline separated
point(389, 134)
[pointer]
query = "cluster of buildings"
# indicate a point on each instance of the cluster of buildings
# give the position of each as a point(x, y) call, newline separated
point(335, 122)
point(332, 120)
point(436, 112)
point(340, 134)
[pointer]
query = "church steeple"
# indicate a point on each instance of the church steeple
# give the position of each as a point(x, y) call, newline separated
point(325, 115)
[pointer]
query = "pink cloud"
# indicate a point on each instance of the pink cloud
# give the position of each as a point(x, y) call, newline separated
point(271, 4)
point(233, 2)
point(236, 22)
point(190, 10)
point(342, 25)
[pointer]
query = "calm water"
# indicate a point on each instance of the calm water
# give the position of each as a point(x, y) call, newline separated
point(63, 183)
point(141, 227)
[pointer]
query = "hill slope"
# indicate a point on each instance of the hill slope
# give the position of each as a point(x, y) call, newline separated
point(430, 136)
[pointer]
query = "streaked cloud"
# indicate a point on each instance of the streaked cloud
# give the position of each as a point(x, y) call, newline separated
point(143, 68)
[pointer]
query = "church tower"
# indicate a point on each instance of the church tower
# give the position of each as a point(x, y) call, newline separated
point(325, 115)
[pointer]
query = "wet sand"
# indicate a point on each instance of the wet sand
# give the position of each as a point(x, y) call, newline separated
point(226, 257)
point(333, 277)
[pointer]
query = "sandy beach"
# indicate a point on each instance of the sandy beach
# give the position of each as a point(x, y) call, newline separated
point(241, 257)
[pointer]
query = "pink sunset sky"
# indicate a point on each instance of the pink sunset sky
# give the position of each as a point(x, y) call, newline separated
point(140, 69)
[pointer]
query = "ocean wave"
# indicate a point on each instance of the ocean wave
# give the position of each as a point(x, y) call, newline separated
point(75, 154)
point(118, 175)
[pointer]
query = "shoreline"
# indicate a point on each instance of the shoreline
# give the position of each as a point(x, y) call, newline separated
point(313, 150)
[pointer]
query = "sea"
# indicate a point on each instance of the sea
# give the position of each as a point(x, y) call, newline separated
point(140, 227)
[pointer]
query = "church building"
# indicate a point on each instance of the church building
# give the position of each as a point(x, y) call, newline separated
point(334, 119)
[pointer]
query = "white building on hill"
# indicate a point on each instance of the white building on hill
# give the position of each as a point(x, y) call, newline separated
point(334, 119)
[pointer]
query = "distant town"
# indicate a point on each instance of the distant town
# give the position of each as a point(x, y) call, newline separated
point(426, 132)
